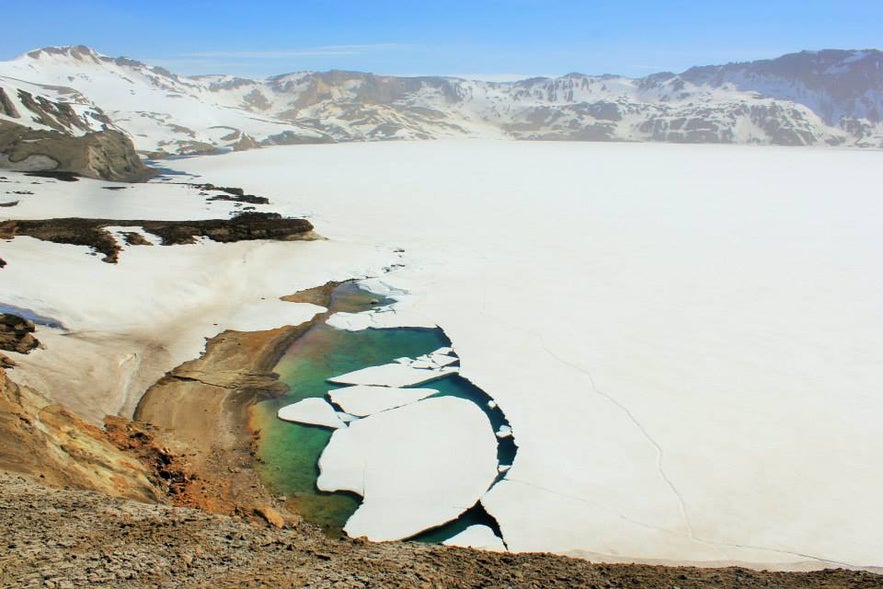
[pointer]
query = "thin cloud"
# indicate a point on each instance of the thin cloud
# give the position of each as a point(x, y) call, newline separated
point(327, 50)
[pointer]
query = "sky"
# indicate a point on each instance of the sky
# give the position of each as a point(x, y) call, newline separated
point(491, 39)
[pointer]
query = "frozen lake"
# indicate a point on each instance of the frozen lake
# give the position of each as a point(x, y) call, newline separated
point(687, 340)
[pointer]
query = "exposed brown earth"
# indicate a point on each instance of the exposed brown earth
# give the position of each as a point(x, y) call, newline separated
point(202, 409)
point(47, 441)
point(93, 232)
point(67, 538)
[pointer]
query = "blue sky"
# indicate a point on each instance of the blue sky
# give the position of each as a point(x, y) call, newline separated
point(482, 37)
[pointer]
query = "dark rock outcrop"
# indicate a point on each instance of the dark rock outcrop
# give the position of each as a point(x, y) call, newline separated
point(93, 232)
point(108, 154)
point(6, 106)
point(16, 334)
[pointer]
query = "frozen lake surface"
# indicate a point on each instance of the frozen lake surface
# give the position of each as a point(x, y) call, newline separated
point(687, 341)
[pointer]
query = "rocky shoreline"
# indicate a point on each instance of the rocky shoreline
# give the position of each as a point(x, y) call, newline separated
point(202, 411)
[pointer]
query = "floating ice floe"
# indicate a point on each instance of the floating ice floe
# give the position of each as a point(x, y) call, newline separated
point(364, 400)
point(312, 411)
point(408, 464)
point(346, 417)
point(477, 536)
point(504, 432)
point(391, 375)
point(442, 359)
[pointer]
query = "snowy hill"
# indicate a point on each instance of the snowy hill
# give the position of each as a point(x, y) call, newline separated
point(809, 98)
point(162, 112)
point(46, 127)
point(49, 108)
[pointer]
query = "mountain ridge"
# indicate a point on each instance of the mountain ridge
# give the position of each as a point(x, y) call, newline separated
point(827, 97)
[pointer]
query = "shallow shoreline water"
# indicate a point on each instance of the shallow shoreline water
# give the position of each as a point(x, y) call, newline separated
point(288, 453)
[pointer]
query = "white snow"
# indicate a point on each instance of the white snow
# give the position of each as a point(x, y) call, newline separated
point(416, 467)
point(159, 111)
point(688, 340)
point(133, 321)
point(477, 536)
point(391, 375)
point(156, 200)
point(311, 411)
point(366, 400)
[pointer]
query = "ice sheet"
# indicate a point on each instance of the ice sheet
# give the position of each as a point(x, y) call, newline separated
point(416, 467)
point(692, 332)
point(365, 400)
point(391, 375)
point(312, 411)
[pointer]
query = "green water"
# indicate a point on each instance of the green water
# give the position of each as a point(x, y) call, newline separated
point(288, 452)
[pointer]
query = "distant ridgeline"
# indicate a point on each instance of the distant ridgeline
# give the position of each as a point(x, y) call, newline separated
point(71, 108)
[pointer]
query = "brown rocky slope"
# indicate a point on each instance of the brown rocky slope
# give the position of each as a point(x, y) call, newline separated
point(66, 538)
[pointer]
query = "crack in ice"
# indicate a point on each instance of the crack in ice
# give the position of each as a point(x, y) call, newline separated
point(659, 463)
point(660, 454)
point(591, 502)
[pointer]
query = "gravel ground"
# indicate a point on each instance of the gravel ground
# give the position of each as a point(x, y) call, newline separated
point(72, 538)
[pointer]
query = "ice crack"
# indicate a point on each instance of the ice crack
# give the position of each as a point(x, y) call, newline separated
point(660, 454)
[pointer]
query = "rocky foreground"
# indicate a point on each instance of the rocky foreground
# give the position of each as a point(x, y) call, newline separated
point(73, 538)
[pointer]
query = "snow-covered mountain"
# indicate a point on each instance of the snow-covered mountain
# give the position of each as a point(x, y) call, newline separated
point(49, 108)
point(162, 112)
point(808, 98)
point(45, 127)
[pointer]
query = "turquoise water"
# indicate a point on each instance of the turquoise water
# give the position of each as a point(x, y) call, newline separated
point(288, 453)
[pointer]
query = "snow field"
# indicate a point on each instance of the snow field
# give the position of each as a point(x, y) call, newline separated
point(686, 339)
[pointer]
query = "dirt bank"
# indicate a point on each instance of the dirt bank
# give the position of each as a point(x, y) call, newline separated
point(202, 410)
